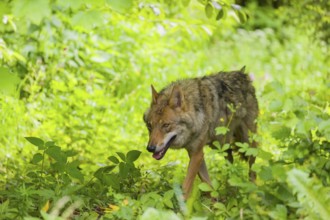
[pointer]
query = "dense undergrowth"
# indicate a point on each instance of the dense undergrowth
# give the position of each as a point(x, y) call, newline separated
point(75, 81)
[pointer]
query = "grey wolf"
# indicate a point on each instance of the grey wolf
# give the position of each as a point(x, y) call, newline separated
point(186, 113)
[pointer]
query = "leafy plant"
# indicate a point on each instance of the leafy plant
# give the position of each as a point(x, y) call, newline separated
point(79, 72)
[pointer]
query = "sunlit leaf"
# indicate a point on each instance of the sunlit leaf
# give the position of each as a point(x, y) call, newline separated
point(209, 10)
point(88, 19)
point(221, 130)
point(34, 10)
point(45, 208)
point(8, 82)
point(120, 5)
point(205, 187)
point(252, 151)
point(307, 193)
point(73, 4)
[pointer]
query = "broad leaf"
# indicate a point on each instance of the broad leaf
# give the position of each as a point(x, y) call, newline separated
point(122, 156)
point(36, 142)
point(120, 5)
point(57, 154)
point(133, 155)
point(34, 10)
point(73, 171)
point(205, 187)
point(37, 158)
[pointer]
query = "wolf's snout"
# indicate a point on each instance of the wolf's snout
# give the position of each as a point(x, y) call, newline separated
point(151, 148)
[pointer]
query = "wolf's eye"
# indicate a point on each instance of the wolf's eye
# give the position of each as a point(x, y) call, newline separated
point(166, 125)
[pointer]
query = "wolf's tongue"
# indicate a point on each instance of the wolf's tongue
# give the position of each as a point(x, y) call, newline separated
point(159, 155)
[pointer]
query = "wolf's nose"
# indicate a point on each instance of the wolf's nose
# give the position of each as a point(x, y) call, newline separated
point(151, 148)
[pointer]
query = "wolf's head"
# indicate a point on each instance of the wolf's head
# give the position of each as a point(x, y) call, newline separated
point(167, 121)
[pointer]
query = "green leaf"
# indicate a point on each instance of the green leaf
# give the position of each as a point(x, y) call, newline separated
point(280, 212)
point(221, 130)
point(225, 147)
point(215, 194)
point(252, 151)
point(37, 158)
point(275, 106)
point(88, 19)
point(123, 170)
point(70, 153)
point(264, 154)
point(220, 14)
point(242, 16)
point(73, 4)
point(279, 172)
point(205, 187)
point(307, 191)
point(8, 82)
point(112, 180)
point(209, 10)
point(36, 142)
point(168, 198)
point(73, 171)
point(58, 166)
point(121, 155)
point(113, 159)
point(57, 154)
point(103, 170)
point(132, 155)
point(33, 10)
point(220, 206)
point(265, 173)
point(49, 143)
point(120, 5)
point(281, 132)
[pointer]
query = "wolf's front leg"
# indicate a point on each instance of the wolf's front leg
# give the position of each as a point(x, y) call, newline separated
point(196, 160)
point(203, 174)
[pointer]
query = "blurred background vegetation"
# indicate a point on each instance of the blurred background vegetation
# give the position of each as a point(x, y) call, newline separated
point(78, 72)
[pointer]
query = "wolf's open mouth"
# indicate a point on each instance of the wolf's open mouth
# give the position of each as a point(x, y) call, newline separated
point(160, 154)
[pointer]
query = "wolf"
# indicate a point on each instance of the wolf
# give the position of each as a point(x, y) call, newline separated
point(186, 113)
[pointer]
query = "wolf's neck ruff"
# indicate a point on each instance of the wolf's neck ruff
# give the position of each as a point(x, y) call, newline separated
point(185, 114)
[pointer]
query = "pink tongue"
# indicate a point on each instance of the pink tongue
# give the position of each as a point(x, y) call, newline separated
point(157, 156)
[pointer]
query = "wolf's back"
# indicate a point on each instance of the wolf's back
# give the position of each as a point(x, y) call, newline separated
point(211, 96)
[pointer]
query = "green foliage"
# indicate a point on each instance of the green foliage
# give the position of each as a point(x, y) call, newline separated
point(79, 72)
point(311, 193)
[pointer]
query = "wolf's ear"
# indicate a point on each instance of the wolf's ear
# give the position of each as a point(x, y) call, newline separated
point(176, 99)
point(243, 69)
point(154, 94)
